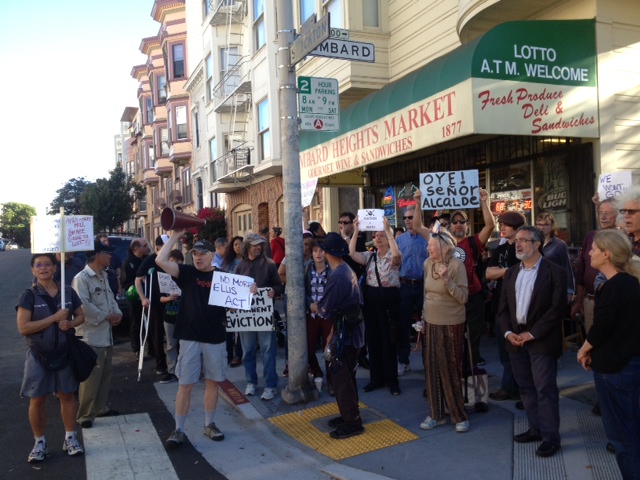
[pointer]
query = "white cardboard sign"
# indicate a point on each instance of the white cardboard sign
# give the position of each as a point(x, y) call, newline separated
point(47, 236)
point(450, 190)
point(167, 285)
point(259, 318)
point(371, 220)
point(230, 291)
point(613, 184)
point(307, 189)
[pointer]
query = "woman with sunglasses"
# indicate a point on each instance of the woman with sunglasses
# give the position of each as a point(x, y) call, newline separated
point(381, 306)
point(44, 324)
point(446, 292)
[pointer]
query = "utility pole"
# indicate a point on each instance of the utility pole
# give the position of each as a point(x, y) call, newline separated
point(299, 388)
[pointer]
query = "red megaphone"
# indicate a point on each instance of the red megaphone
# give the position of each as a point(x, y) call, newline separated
point(171, 219)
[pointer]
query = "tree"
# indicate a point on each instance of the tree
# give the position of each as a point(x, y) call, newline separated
point(15, 222)
point(216, 226)
point(69, 197)
point(111, 200)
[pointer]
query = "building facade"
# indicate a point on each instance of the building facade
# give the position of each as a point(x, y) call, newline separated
point(539, 97)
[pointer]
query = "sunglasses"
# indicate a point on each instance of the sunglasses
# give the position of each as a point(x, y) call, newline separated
point(458, 222)
point(344, 222)
point(39, 266)
point(408, 217)
point(630, 211)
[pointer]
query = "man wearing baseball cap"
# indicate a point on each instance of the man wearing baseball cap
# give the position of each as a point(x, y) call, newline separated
point(469, 250)
point(102, 313)
point(201, 330)
point(342, 293)
point(503, 258)
point(262, 269)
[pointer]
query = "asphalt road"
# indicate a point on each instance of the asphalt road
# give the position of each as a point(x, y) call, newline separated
point(127, 396)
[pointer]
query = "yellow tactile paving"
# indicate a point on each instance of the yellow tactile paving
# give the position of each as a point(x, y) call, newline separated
point(377, 435)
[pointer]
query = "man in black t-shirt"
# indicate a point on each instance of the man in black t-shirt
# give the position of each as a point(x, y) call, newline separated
point(201, 330)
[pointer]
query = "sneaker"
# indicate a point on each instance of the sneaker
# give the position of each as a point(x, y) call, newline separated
point(318, 383)
point(168, 378)
point(250, 390)
point(430, 423)
point(462, 427)
point(402, 369)
point(268, 394)
point(175, 439)
point(39, 451)
point(72, 446)
point(213, 432)
point(346, 431)
point(336, 422)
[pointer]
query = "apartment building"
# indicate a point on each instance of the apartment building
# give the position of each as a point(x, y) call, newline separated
point(161, 134)
point(539, 97)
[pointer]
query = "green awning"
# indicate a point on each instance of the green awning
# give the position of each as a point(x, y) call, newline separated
point(571, 40)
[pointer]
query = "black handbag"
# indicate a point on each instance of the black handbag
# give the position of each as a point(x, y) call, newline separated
point(82, 357)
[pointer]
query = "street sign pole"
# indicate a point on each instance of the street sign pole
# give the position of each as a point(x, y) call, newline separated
point(299, 388)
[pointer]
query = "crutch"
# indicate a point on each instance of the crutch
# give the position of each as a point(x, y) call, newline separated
point(144, 323)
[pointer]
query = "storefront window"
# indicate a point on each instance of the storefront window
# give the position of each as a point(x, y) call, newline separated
point(510, 190)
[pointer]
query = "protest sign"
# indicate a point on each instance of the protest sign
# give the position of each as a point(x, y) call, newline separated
point(450, 190)
point(307, 190)
point(167, 285)
point(230, 291)
point(614, 184)
point(47, 233)
point(370, 220)
point(259, 318)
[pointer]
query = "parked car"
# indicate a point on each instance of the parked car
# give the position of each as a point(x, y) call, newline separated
point(2, 245)
point(12, 246)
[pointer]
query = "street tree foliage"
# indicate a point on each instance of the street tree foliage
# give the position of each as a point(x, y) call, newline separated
point(110, 200)
point(69, 197)
point(216, 226)
point(15, 222)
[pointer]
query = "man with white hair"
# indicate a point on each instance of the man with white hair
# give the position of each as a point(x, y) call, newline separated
point(629, 208)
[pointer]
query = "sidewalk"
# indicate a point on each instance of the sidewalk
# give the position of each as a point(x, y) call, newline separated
point(263, 441)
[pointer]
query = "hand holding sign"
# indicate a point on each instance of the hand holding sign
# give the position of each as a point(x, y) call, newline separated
point(371, 220)
point(231, 291)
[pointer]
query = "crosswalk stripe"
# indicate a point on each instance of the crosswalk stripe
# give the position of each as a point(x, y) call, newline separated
point(126, 447)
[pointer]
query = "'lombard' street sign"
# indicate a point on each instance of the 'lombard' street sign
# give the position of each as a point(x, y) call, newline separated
point(346, 50)
point(310, 39)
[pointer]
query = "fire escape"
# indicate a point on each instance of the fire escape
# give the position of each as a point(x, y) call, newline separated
point(232, 94)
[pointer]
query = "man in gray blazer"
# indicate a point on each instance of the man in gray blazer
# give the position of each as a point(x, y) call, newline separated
point(530, 316)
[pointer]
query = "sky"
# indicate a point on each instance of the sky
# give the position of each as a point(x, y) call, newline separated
point(65, 82)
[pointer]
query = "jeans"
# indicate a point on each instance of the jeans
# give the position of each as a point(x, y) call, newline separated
point(267, 341)
point(411, 299)
point(619, 397)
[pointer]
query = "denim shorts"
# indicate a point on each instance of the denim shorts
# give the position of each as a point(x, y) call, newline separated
point(196, 356)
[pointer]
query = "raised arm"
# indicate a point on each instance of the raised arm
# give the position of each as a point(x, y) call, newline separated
point(418, 226)
point(487, 216)
point(356, 256)
point(393, 246)
point(162, 260)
